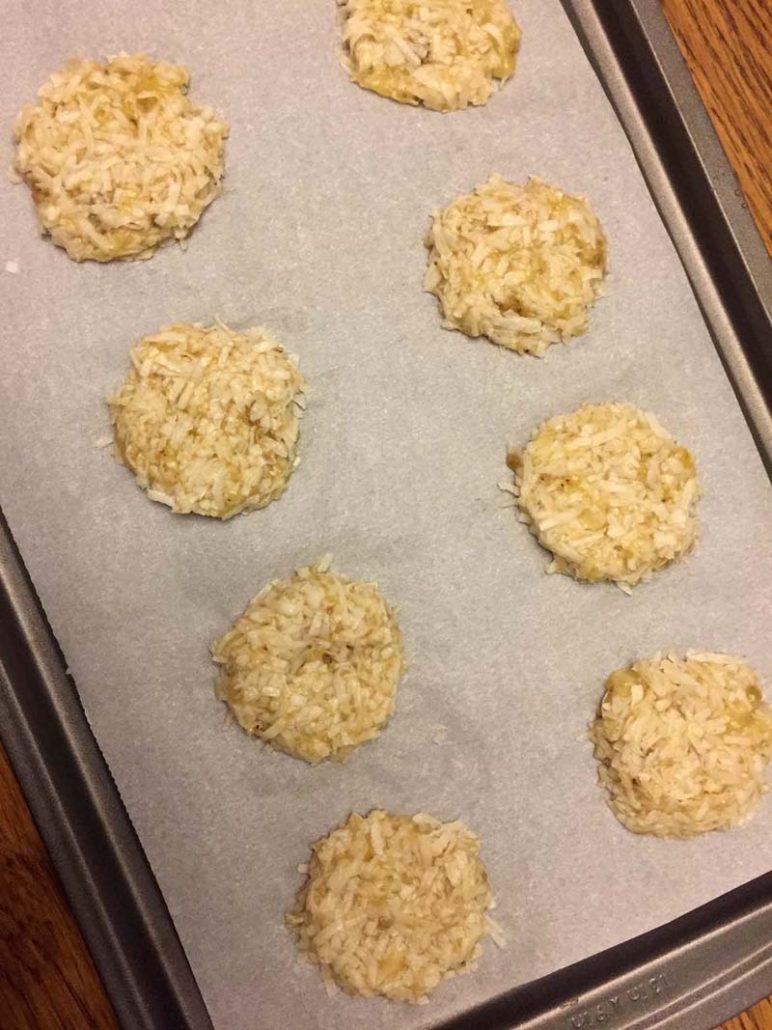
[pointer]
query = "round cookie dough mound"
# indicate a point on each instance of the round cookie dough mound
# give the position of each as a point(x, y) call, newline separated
point(444, 54)
point(313, 664)
point(519, 264)
point(208, 419)
point(393, 905)
point(682, 744)
point(118, 158)
point(609, 492)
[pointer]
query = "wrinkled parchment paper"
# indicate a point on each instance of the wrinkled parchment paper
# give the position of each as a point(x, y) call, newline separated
point(318, 237)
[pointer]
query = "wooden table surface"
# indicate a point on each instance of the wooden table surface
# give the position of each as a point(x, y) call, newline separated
point(47, 979)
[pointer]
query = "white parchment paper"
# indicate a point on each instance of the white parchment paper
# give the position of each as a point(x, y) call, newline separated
point(318, 237)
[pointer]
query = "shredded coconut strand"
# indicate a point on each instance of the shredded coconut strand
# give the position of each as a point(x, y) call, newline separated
point(313, 664)
point(208, 419)
point(393, 905)
point(444, 54)
point(519, 264)
point(683, 743)
point(118, 158)
point(608, 492)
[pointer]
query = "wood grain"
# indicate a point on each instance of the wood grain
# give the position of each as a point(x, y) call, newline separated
point(757, 1018)
point(726, 44)
point(47, 980)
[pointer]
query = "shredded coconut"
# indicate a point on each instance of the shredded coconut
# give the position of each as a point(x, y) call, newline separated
point(208, 418)
point(519, 264)
point(118, 158)
point(440, 734)
point(313, 664)
point(393, 904)
point(444, 54)
point(683, 743)
point(608, 492)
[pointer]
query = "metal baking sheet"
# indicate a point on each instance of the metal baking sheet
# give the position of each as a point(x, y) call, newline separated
point(317, 280)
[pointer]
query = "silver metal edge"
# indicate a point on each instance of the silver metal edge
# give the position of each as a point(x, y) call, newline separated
point(750, 251)
point(708, 1000)
point(715, 163)
point(691, 973)
point(146, 974)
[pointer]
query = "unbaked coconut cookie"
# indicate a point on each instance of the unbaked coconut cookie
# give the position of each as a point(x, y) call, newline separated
point(313, 664)
point(683, 743)
point(444, 54)
point(521, 265)
point(208, 418)
point(609, 492)
point(393, 904)
point(118, 158)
